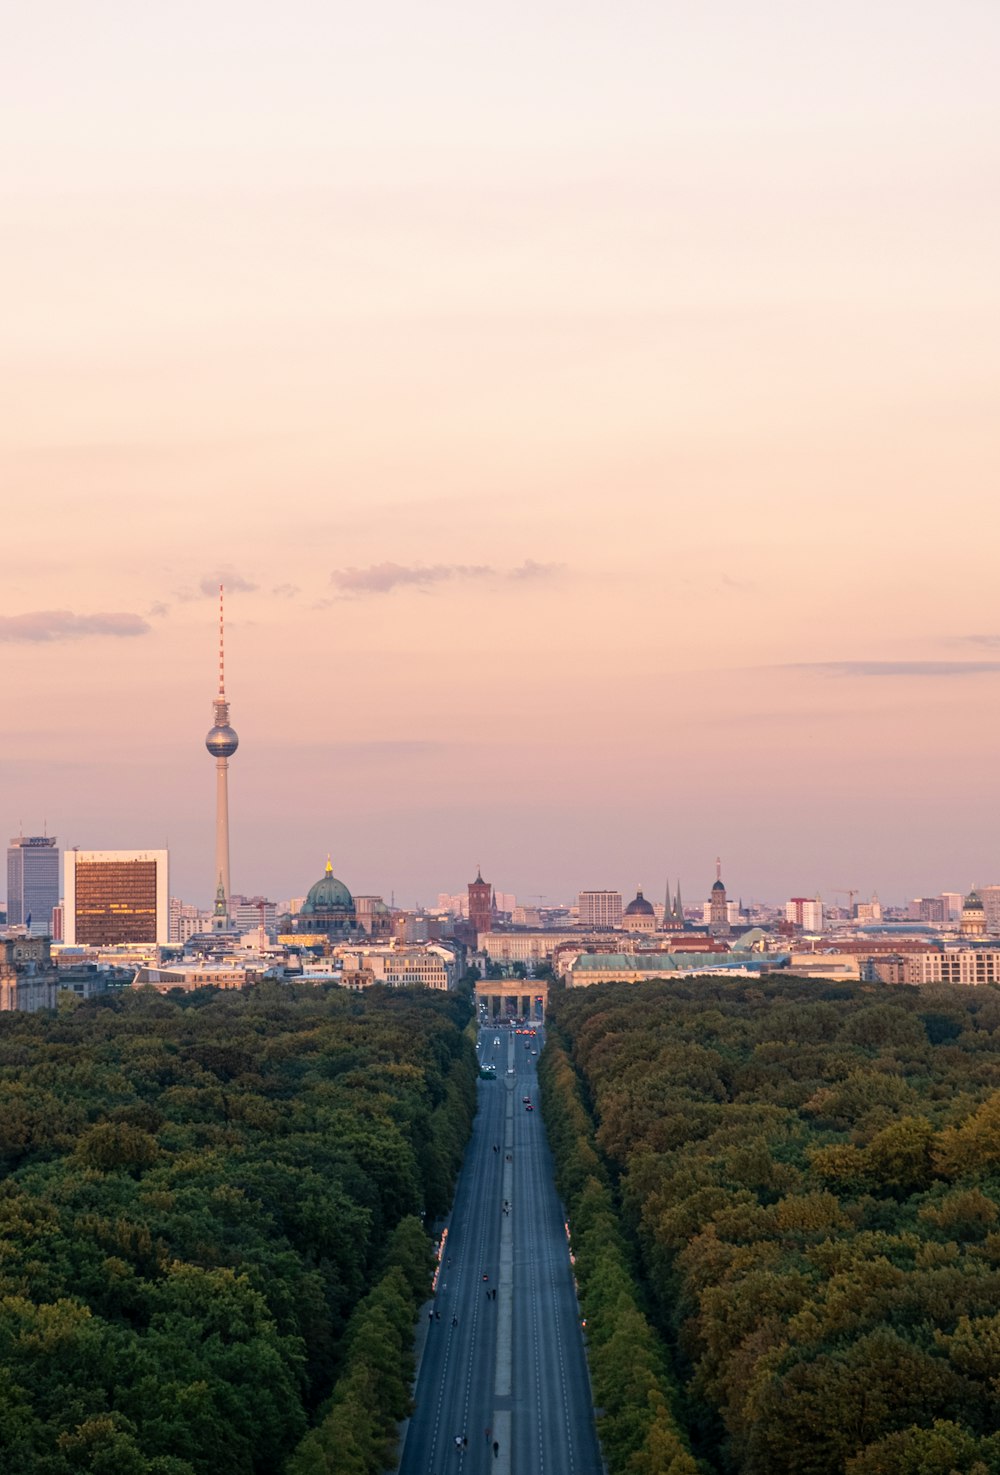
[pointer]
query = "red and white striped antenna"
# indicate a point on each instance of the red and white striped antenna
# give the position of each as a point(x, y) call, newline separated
point(222, 655)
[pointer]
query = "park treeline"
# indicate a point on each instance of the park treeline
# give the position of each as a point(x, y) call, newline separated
point(210, 1225)
point(808, 1180)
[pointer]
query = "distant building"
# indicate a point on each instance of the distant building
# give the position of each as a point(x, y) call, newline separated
point(973, 922)
point(953, 905)
point(32, 882)
point(805, 912)
point(970, 966)
point(673, 910)
point(481, 906)
point(718, 907)
point(328, 908)
point(248, 912)
point(28, 979)
point(116, 896)
point(867, 912)
point(590, 968)
point(194, 976)
point(990, 898)
point(400, 966)
point(927, 909)
point(186, 920)
point(600, 908)
point(639, 915)
point(373, 916)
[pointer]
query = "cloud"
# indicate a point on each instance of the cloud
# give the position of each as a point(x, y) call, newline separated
point(235, 583)
point(62, 624)
point(529, 569)
point(383, 578)
point(159, 609)
point(991, 642)
point(286, 591)
point(896, 668)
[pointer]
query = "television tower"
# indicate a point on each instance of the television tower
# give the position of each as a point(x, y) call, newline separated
point(222, 743)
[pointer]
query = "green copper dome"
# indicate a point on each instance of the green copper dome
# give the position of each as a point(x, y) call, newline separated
point(328, 895)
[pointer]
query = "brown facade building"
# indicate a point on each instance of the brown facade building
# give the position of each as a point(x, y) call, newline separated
point(116, 896)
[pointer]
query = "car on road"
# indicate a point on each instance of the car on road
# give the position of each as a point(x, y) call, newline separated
point(529, 1107)
point(526, 1100)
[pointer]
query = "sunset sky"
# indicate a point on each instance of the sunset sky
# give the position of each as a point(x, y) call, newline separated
point(592, 411)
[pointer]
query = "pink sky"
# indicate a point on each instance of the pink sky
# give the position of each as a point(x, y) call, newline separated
point(593, 414)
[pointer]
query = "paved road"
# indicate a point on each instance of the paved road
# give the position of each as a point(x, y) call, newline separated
point(514, 1363)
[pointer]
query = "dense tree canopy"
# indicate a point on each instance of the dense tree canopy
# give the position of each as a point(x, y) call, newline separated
point(195, 1194)
point(810, 1179)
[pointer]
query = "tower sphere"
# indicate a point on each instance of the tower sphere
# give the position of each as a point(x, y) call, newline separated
point(222, 742)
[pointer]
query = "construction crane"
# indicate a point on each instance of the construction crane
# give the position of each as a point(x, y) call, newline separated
point(848, 891)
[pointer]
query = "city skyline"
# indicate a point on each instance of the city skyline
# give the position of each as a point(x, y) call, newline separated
point(592, 425)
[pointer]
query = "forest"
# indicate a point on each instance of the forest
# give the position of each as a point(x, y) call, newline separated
point(211, 1225)
point(796, 1187)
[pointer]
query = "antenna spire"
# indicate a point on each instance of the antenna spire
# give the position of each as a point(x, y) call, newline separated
point(222, 648)
point(718, 868)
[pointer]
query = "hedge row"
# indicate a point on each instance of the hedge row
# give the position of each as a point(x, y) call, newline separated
point(633, 1390)
point(357, 1433)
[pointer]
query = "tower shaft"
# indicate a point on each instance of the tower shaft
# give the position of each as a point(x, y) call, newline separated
point(222, 825)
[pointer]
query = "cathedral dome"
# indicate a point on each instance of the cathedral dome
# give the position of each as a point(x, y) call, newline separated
point(718, 886)
point(328, 895)
point(639, 907)
point(972, 903)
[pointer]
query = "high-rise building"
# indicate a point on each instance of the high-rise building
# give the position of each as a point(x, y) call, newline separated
point(805, 912)
point(990, 897)
point(116, 896)
point(927, 909)
point(480, 904)
point(32, 882)
point(222, 743)
point(600, 908)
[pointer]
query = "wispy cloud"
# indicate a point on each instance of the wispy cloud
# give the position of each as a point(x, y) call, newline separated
point(235, 583)
point(286, 591)
point(529, 569)
point(896, 668)
point(988, 642)
point(383, 578)
point(63, 624)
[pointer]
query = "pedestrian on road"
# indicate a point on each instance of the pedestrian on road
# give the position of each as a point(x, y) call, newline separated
point(496, 1449)
point(465, 1442)
point(458, 1441)
point(437, 1316)
point(487, 1431)
point(454, 1321)
point(494, 1293)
